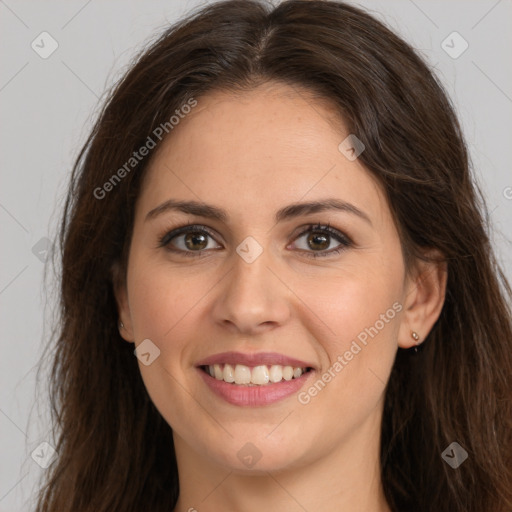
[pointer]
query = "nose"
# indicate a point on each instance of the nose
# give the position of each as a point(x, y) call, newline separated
point(251, 299)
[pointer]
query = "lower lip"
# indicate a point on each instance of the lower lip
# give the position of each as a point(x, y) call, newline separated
point(254, 395)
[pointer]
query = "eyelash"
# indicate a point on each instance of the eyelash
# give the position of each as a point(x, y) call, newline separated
point(344, 240)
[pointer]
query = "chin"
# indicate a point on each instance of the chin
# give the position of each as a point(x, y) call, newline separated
point(257, 456)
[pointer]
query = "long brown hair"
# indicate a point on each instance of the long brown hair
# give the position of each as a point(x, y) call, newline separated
point(115, 451)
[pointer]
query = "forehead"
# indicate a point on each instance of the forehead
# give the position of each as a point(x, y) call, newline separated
point(259, 149)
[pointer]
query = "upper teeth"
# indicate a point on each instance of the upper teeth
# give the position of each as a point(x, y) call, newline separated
point(258, 375)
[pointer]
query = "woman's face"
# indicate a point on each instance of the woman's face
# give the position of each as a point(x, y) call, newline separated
point(251, 284)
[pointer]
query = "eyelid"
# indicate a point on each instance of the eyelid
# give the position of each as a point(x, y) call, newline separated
point(344, 240)
point(327, 228)
point(184, 229)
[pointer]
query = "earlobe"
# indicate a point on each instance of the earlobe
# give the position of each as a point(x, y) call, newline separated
point(424, 301)
point(120, 293)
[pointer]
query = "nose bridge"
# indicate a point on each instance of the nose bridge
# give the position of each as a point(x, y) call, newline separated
point(251, 295)
point(251, 272)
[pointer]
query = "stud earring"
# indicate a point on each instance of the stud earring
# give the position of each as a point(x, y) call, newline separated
point(415, 337)
point(121, 325)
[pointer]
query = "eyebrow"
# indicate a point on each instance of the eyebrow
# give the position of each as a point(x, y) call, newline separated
point(288, 212)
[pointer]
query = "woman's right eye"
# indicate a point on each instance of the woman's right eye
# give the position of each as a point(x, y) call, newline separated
point(189, 240)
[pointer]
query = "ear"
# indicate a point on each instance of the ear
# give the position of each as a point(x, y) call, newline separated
point(123, 307)
point(425, 294)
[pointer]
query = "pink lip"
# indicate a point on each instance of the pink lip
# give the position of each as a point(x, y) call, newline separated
point(254, 395)
point(256, 359)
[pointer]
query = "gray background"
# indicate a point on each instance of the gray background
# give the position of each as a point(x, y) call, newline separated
point(48, 105)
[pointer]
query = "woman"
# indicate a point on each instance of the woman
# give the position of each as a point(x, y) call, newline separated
point(277, 284)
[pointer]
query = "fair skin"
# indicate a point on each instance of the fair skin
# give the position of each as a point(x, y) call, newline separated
point(251, 155)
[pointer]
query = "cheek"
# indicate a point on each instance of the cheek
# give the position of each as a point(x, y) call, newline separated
point(163, 301)
point(360, 313)
point(161, 297)
point(352, 301)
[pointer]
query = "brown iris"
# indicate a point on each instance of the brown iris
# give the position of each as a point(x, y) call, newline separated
point(195, 241)
point(318, 241)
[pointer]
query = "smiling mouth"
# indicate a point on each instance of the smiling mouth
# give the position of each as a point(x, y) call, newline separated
point(262, 375)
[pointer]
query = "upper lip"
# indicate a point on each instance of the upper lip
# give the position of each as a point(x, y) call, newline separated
point(255, 359)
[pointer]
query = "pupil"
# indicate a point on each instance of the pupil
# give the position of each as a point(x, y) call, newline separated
point(319, 241)
point(193, 238)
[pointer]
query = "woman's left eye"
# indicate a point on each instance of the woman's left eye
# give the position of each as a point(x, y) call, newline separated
point(192, 240)
point(318, 241)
